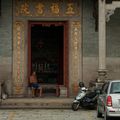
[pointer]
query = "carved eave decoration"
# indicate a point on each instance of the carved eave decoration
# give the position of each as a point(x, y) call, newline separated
point(111, 7)
point(110, 1)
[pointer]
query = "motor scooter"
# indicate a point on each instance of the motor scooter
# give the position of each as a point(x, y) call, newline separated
point(81, 94)
point(88, 100)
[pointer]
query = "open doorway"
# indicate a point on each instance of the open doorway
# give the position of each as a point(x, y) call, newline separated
point(48, 52)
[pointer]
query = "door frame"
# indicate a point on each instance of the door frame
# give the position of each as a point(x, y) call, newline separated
point(65, 49)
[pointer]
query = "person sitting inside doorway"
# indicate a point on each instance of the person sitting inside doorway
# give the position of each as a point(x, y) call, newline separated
point(34, 84)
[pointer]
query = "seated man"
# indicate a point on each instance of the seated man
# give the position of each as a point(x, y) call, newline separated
point(33, 84)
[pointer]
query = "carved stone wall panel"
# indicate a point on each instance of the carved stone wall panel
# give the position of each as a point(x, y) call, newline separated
point(75, 56)
point(18, 57)
point(46, 8)
point(76, 48)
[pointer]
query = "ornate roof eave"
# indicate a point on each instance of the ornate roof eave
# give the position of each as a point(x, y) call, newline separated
point(111, 7)
point(110, 1)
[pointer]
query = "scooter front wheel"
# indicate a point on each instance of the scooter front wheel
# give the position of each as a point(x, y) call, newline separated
point(75, 106)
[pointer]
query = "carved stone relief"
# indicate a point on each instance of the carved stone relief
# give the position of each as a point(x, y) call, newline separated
point(75, 47)
point(18, 57)
point(75, 55)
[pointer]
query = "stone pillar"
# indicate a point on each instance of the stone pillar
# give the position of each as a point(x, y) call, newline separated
point(102, 41)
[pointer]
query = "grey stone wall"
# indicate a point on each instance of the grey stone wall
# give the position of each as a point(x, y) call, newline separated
point(113, 46)
point(6, 43)
point(90, 45)
point(113, 35)
point(90, 37)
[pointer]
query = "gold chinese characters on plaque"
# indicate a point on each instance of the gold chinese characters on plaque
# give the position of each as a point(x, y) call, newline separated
point(55, 8)
point(37, 8)
point(70, 9)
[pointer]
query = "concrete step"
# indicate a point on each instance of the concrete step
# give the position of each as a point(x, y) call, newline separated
point(36, 103)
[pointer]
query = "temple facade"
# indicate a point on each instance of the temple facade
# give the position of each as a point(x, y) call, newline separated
point(64, 41)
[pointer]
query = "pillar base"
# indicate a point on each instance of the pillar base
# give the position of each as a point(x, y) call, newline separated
point(102, 75)
point(63, 91)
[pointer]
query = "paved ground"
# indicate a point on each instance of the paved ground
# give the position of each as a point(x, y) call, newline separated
point(47, 114)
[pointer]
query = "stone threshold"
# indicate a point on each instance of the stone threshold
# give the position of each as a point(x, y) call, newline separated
point(37, 103)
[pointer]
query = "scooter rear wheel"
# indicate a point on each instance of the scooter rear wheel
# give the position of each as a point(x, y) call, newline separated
point(75, 106)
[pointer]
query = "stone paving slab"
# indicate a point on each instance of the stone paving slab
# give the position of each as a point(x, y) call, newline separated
point(47, 114)
point(22, 113)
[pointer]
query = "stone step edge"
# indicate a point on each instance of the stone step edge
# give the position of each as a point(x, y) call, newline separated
point(35, 106)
